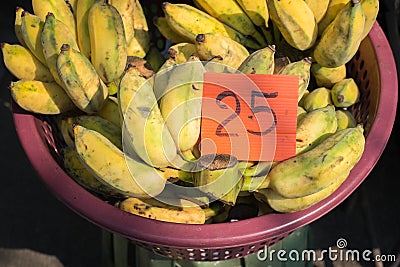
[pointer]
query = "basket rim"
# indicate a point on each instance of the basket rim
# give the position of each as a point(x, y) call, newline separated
point(221, 235)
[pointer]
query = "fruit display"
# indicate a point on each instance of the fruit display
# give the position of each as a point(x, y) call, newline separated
point(129, 116)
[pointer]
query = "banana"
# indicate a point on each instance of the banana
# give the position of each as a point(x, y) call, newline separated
point(54, 35)
point(126, 8)
point(295, 21)
point(301, 102)
point(183, 212)
point(125, 93)
point(140, 43)
point(181, 52)
point(345, 119)
point(341, 39)
point(81, 81)
point(230, 13)
point(107, 41)
point(18, 25)
point(315, 126)
point(126, 175)
point(162, 76)
point(59, 8)
point(282, 204)
point(154, 58)
point(371, 10)
point(317, 98)
point(31, 29)
point(163, 27)
point(318, 7)
point(144, 127)
point(345, 93)
point(333, 9)
point(72, 4)
point(82, 25)
point(210, 45)
point(302, 69)
point(40, 97)
point(110, 111)
point(301, 112)
point(189, 21)
point(180, 104)
point(327, 77)
point(23, 64)
point(257, 11)
point(260, 61)
point(319, 167)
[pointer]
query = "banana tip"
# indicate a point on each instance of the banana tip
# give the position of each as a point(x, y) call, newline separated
point(165, 4)
point(200, 38)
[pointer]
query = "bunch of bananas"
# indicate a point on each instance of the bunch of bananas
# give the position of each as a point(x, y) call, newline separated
point(131, 131)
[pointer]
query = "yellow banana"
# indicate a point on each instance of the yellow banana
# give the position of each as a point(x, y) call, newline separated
point(327, 77)
point(345, 119)
point(181, 52)
point(59, 8)
point(317, 98)
point(295, 21)
point(301, 112)
point(82, 26)
point(210, 45)
point(126, 175)
point(260, 62)
point(230, 13)
point(81, 81)
point(144, 127)
point(180, 104)
point(162, 76)
point(318, 7)
point(18, 25)
point(107, 41)
point(126, 9)
point(40, 97)
point(319, 167)
point(140, 43)
point(110, 111)
point(23, 64)
point(54, 35)
point(257, 11)
point(345, 93)
point(125, 93)
point(333, 9)
point(371, 10)
point(31, 28)
point(341, 39)
point(189, 21)
point(163, 27)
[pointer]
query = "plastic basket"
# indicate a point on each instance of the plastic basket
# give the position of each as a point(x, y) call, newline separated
point(374, 70)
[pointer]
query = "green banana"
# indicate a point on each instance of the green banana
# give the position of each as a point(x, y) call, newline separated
point(31, 29)
point(126, 175)
point(319, 167)
point(18, 25)
point(54, 35)
point(318, 7)
point(295, 21)
point(303, 98)
point(180, 104)
point(126, 9)
point(23, 64)
point(345, 119)
point(341, 39)
point(81, 81)
point(163, 27)
point(371, 10)
point(260, 61)
point(302, 69)
point(301, 112)
point(189, 21)
point(314, 127)
point(59, 8)
point(257, 11)
point(40, 97)
point(317, 98)
point(107, 41)
point(327, 77)
point(345, 93)
point(140, 43)
point(210, 45)
point(230, 13)
point(333, 9)
point(82, 26)
point(110, 111)
point(181, 52)
point(144, 127)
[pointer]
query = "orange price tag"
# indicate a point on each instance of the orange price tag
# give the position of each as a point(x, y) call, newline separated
point(252, 117)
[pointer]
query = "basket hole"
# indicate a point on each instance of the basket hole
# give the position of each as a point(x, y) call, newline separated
point(365, 74)
point(351, 67)
point(190, 249)
point(241, 249)
point(361, 64)
point(192, 259)
point(357, 56)
point(215, 253)
point(356, 75)
point(203, 254)
point(238, 255)
point(367, 85)
point(252, 247)
point(191, 254)
point(215, 258)
point(227, 257)
point(203, 259)
point(227, 252)
point(250, 252)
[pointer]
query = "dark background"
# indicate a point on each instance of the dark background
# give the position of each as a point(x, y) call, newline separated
point(31, 217)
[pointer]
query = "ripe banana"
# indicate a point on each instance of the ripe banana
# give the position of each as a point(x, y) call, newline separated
point(301, 112)
point(318, 7)
point(295, 21)
point(318, 168)
point(110, 111)
point(230, 13)
point(107, 41)
point(345, 93)
point(144, 128)
point(189, 21)
point(59, 8)
point(327, 77)
point(82, 26)
point(126, 175)
point(81, 81)
point(53, 36)
point(257, 11)
point(126, 9)
point(140, 43)
point(31, 29)
point(18, 25)
point(302, 69)
point(341, 39)
point(371, 10)
point(345, 119)
point(317, 98)
point(260, 61)
point(162, 76)
point(333, 9)
point(314, 127)
point(180, 104)
point(210, 45)
point(23, 64)
point(125, 93)
point(40, 97)
point(181, 52)
point(163, 27)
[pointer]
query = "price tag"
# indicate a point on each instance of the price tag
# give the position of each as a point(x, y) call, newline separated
point(252, 117)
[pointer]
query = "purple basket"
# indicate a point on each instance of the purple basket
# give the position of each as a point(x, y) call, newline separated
point(374, 70)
